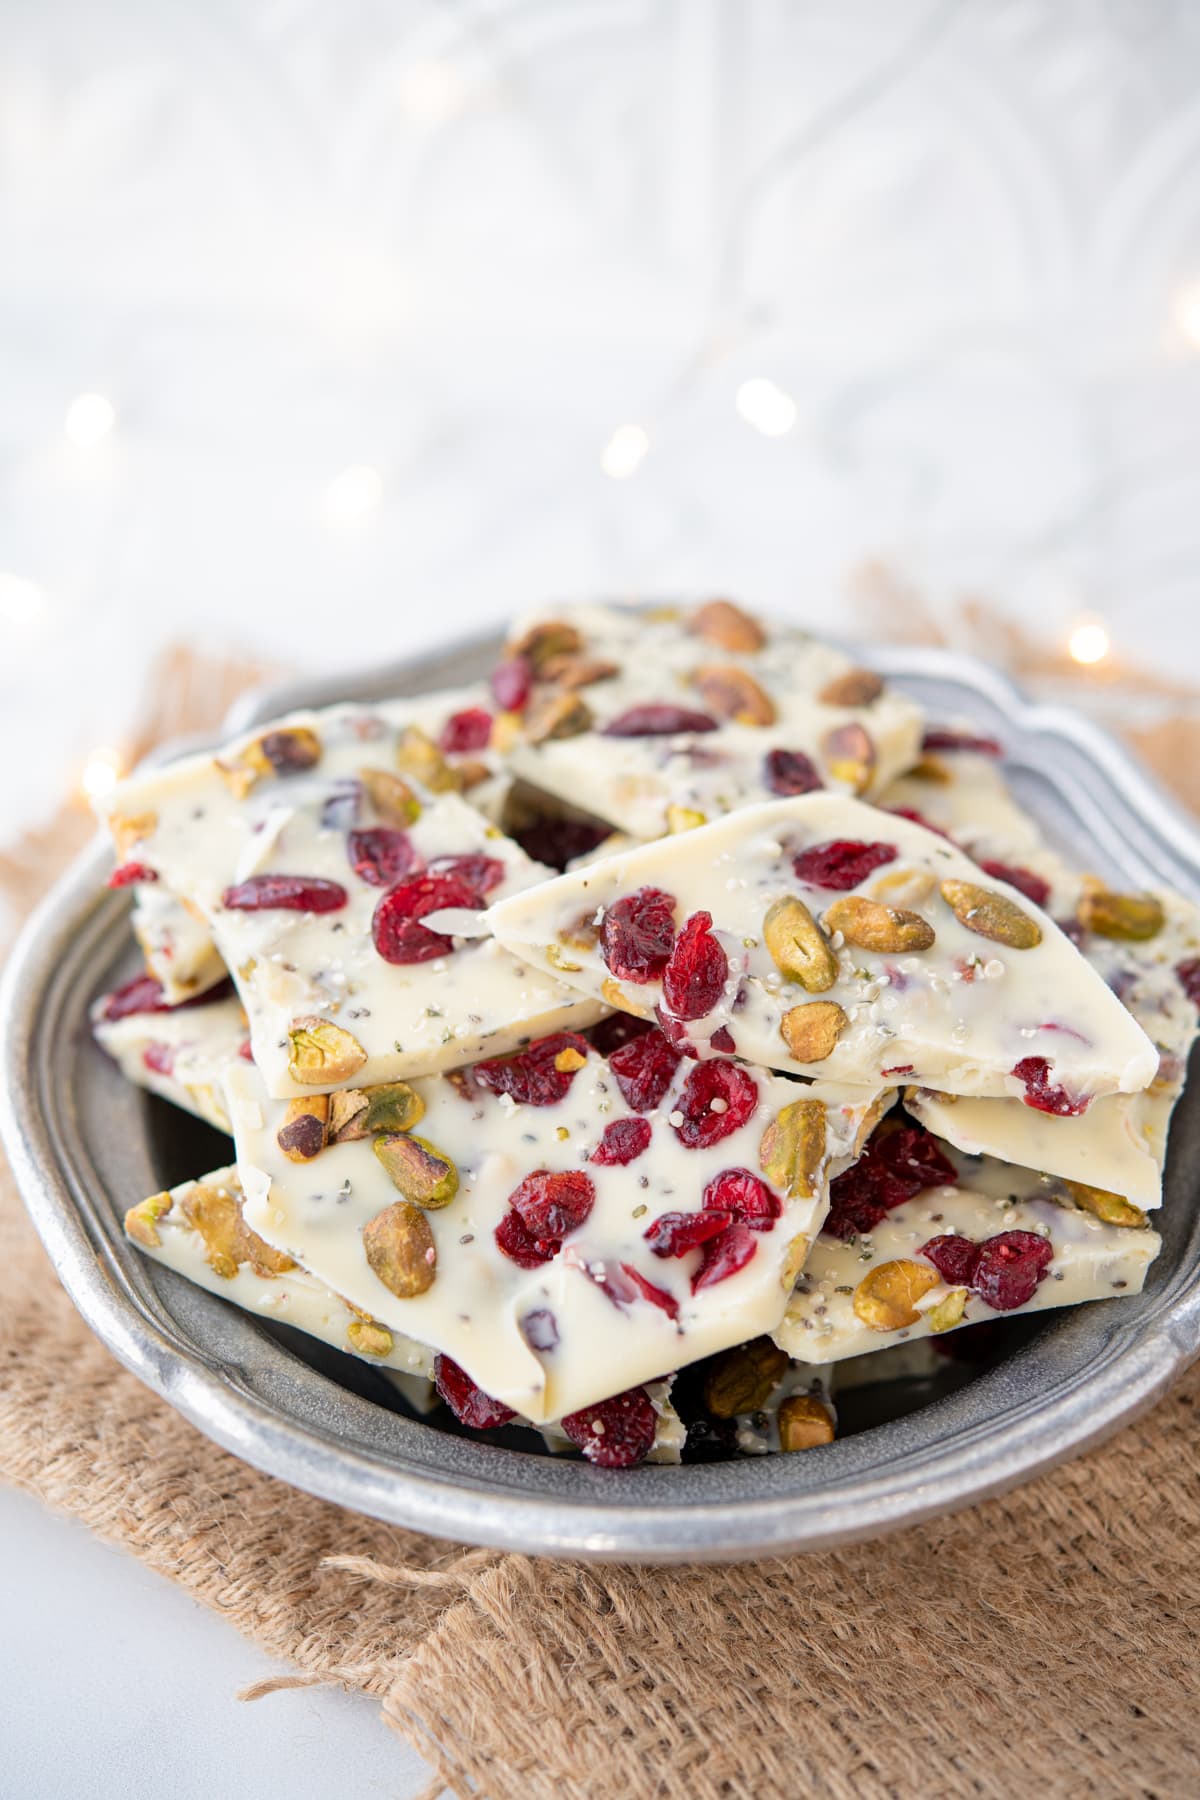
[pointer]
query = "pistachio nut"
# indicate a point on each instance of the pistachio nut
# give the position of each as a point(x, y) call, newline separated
point(418, 756)
point(141, 1221)
point(393, 1106)
point(1114, 1209)
point(348, 1116)
point(546, 642)
point(305, 1125)
point(1131, 917)
point(857, 687)
point(369, 1337)
point(743, 1379)
point(872, 926)
point(129, 829)
point(285, 750)
point(420, 1171)
point(721, 622)
point(849, 753)
point(398, 1245)
point(391, 798)
point(216, 1214)
point(991, 915)
point(322, 1053)
point(684, 818)
point(792, 1148)
point(559, 713)
point(798, 947)
point(794, 1259)
point(731, 693)
point(558, 959)
point(567, 670)
point(885, 1299)
point(811, 1031)
point(948, 1312)
point(568, 1060)
point(804, 1422)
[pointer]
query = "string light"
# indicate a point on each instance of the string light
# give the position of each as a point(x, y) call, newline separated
point(765, 406)
point(623, 454)
point(20, 600)
point(1089, 641)
point(101, 772)
point(90, 418)
point(432, 93)
point(1187, 313)
point(353, 494)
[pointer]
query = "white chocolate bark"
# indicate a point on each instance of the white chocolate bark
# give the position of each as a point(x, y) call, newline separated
point(1120, 1143)
point(183, 1055)
point(635, 782)
point(203, 836)
point(549, 1339)
point(1092, 1260)
point(176, 943)
point(959, 1015)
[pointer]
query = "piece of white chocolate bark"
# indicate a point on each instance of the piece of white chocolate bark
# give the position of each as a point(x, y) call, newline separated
point(824, 936)
point(176, 943)
point(518, 1237)
point(661, 718)
point(182, 1052)
point(1001, 1240)
point(317, 857)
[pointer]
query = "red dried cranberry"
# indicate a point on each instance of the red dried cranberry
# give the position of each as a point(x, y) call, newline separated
point(655, 1295)
point(644, 1070)
point(550, 1204)
point(285, 893)
point(396, 927)
point(617, 1030)
point(141, 995)
point(381, 855)
point(531, 1076)
point(470, 729)
point(160, 1058)
point(512, 683)
point(129, 872)
point(469, 1404)
point(482, 873)
point(735, 1094)
point(623, 1142)
point(791, 772)
point(676, 1033)
point(246, 1050)
point(675, 1233)
point(1010, 1267)
point(961, 740)
point(1039, 1093)
point(955, 1258)
point(918, 818)
point(616, 1433)
point(724, 1256)
point(842, 863)
point(637, 934)
point(900, 1161)
point(723, 1040)
point(519, 1244)
point(695, 975)
point(744, 1195)
point(658, 719)
point(556, 842)
point(1024, 880)
point(1189, 977)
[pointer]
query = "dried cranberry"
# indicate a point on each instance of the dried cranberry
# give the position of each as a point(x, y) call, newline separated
point(532, 1076)
point(637, 934)
point(676, 1033)
point(644, 1070)
point(539, 1328)
point(160, 1058)
point(512, 683)
point(1024, 880)
point(658, 719)
point(791, 772)
point(470, 729)
point(901, 1160)
point(556, 842)
point(961, 740)
point(744, 1195)
point(655, 1295)
point(717, 1099)
point(481, 873)
point(381, 855)
point(129, 872)
point(285, 893)
point(616, 1433)
point(469, 1404)
point(723, 1040)
point(617, 1030)
point(623, 1142)
point(1189, 977)
point(1034, 1071)
point(918, 818)
point(724, 1256)
point(955, 1258)
point(302, 1136)
point(396, 927)
point(246, 1050)
point(520, 1245)
point(675, 1233)
point(696, 972)
point(1010, 1267)
point(842, 863)
point(141, 995)
point(550, 1204)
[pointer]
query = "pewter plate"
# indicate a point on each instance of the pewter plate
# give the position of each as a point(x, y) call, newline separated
point(85, 1145)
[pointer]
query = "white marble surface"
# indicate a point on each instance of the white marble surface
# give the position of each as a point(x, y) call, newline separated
point(117, 1686)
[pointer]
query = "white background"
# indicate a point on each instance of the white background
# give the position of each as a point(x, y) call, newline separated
point(461, 246)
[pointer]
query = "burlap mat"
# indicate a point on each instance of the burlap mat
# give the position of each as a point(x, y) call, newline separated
point(1039, 1643)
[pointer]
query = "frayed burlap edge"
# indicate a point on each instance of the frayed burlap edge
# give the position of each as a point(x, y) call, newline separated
point(1042, 1642)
